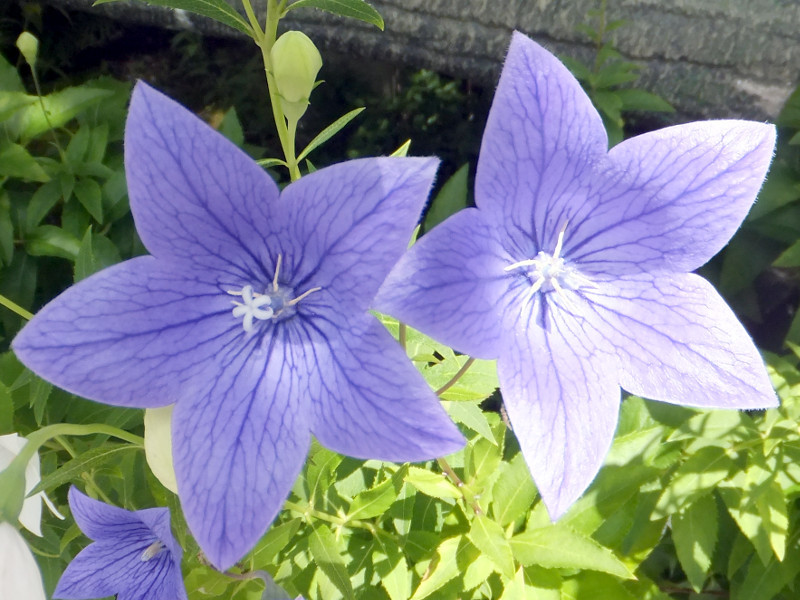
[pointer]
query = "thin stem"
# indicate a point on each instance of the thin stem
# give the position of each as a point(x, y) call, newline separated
point(453, 476)
point(89, 478)
point(323, 516)
point(11, 305)
point(455, 377)
point(258, 33)
point(402, 335)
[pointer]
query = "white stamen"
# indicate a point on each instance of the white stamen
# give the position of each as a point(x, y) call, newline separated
point(151, 551)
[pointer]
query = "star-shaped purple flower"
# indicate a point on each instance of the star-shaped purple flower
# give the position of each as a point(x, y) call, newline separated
point(251, 314)
point(133, 554)
point(573, 269)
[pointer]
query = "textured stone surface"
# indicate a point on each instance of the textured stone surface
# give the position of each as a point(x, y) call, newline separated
point(710, 58)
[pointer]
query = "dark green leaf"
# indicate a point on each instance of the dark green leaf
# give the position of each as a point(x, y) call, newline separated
point(78, 145)
point(6, 230)
point(231, 127)
point(61, 107)
point(96, 252)
point(6, 410)
point(89, 194)
point(355, 9)
point(42, 201)
point(48, 240)
point(15, 161)
point(634, 99)
point(450, 199)
point(329, 132)
point(219, 10)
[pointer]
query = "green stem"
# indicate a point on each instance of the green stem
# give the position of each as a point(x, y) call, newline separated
point(323, 516)
point(455, 377)
point(456, 480)
point(87, 476)
point(15, 307)
point(402, 335)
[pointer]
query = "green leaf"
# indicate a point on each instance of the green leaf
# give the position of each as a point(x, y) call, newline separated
point(61, 107)
point(633, 99)
point(716, 428)
point(377, 500)
point(559, 547)
point(789, 257)
point(10, 80)
point(78, 145)
point(277, 538)
point(89, 194)
point(432, 484)
point(329, 132)
point(514, 492)
point(403, 149)
point(764, 581)
point(484, 457)
point(10, 102)
point(42, 202)
point(91, 459)
point(6, 410)
point(6, 230)
point(698, 476)
point(95, 253)
point(694, 532)
point(218, 10)
point(231, 127)
point(271, 162)
point(489, 538)
point(390, 565)
point(450, 199)
point(771, 504)
point(355, 9)
point(471, 415)
point(328, 558)
point(443, 568)
point(590, 585)
point(48, 240)
point(15, 161)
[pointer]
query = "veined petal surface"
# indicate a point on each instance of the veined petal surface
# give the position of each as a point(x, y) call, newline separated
point(671, 199)
point(194, 195)
point(677, 341)
point(451, 284)
point(131, 335)
point(562, 398)
point(541, 138)
point(240, 437)
point(372, 403)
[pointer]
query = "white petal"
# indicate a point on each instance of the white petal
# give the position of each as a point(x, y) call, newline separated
point(158, 445)
point(19, 574)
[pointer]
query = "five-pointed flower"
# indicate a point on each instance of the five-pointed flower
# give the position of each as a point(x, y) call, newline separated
point(133, 554)
point(251, 315)
point(573, 270)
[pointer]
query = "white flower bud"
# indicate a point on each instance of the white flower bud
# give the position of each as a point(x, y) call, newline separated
point(158, 445)
point(295, 62)
point(19, 573)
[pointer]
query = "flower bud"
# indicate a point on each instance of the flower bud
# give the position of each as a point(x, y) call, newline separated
point(295, 62)
point(28, 46)
point(19, 573)
point(158, 445)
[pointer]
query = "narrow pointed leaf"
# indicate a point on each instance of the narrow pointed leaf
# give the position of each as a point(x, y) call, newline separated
point(489, 538)
point(694, 532)
point(327, 556)
point(329, 132)
point(356, 9)
point(219, 10)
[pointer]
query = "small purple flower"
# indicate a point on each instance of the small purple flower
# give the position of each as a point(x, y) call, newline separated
point(573, 270)
point(251, 314)
point(133, 554)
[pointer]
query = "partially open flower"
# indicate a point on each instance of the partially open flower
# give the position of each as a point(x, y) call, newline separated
point(19, 574)
point(295, 63)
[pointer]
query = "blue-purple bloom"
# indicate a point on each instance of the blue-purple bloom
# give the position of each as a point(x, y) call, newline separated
point(573, 270)
point(133, 554)
point(251, 314)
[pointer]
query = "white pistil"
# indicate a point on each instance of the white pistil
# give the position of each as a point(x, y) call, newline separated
point(151, 551)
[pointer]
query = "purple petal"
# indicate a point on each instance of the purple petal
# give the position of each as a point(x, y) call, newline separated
point(677, 341)
point(194, 195)
point(451, 285)
point(131, 335)
point(348, 224)
point(672, 198)
point(562, 398)
point(240, 438)
point(372, 403)
point(542, 138)
point(101, 521)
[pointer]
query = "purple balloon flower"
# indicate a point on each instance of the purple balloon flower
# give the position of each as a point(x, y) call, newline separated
point(133, 554)
point(573, 269)
point(251, 314)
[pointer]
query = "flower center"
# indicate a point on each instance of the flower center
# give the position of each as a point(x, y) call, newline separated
point(275, 301)
point(550, 272)
point(151, 551)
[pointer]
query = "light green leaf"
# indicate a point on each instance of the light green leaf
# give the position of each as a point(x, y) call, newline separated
point(403, 149)
point(764, 581)
point(231, 127)
point(715, 428)
point(328, 558)
point(489, 538)
point(450, 199)
point(771, 504)
point(96, 252)
point(390, 565)
point(433, 484)
point(635, 99)
point(471, 415)
point(329, 132)
point(376, 501)
point(694, 532)
point(219, 10)
point(271, 162)
point(558, 546)
point(484, 456)
point(514, 491)
point(10, 102)
point(91, 459)
point(355, 9)
point(89, 194)
point(696, 477)
point(15, 161)
point(49, 240)
point(61, 107)
point(276, 539)
point(444, 568)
